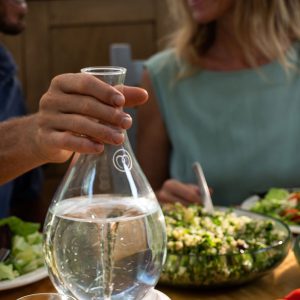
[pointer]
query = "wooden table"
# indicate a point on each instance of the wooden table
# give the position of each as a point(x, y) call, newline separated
point(284, 279)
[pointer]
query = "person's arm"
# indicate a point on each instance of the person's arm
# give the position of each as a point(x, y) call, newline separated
point(153, 146)
point(153, 152)
point(79, 113)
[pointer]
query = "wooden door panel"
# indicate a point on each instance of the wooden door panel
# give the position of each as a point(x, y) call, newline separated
point(75, 47)
point(105, 11)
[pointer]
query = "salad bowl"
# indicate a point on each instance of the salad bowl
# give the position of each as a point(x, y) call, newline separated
point(297, 248)
point(227, 248)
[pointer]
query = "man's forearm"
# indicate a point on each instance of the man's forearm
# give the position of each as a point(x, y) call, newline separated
point(16, 154)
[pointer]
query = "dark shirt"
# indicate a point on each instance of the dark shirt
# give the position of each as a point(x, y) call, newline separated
point(28, 186)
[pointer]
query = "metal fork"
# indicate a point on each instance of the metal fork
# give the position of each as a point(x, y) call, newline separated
point(204, 191)
point(4, 253)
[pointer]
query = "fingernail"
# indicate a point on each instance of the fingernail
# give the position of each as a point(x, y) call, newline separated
point(118, 99)
point(118, 137)
point(126, 122)
point(99, 147)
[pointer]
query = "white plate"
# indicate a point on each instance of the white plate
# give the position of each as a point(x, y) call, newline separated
point(24, 279)
point(249, 203)
point(155, 295)
point(42, 273)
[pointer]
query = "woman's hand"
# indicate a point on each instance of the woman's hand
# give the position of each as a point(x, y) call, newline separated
point(80, 113)
point(176, 191)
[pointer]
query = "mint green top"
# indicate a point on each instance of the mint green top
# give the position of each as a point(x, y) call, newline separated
point(242, 126)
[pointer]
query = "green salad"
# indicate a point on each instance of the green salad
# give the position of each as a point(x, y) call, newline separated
point(220, 248)
point(26, 252)
point(280, 203)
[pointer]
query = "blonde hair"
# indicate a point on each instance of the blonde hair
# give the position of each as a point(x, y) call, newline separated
point(267, 26)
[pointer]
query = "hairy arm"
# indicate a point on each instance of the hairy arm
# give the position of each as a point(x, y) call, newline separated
point(17, 154)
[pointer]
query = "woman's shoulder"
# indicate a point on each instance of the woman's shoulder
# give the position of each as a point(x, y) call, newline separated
point(163, 61)
point(167, 54)
point(294, 53)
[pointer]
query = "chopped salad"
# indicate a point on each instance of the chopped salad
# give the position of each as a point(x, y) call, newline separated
point(280, 203)
point(223, 247)
point(26, 253)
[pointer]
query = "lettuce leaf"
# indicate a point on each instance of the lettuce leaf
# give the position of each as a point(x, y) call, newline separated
point(277, 193)
point(20, 227)
point(26, 248)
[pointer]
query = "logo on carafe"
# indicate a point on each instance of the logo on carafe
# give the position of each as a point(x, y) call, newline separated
point(121, 159)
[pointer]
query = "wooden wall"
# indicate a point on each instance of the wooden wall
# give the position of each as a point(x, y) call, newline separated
point(66, 35)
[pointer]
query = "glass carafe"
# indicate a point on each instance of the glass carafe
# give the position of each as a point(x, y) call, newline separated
point(104, 232)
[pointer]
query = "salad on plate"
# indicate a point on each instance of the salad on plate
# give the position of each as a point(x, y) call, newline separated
point(278, 203)
point(24, 242)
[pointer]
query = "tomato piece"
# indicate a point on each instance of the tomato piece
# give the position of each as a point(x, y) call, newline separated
point(290, 211)
point(298, 196)
point(294, 196)
point(292, 214)
point(293, 295)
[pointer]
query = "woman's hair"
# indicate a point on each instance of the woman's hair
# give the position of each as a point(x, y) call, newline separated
point(267, 26)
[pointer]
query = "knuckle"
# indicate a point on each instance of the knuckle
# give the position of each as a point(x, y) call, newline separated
point(189, 197)
point(109, 136)
point(55, 82)
point(162, 195)
point(168, 184)
point(43, 101)
point(85, 107)
point(41, 120)
point(47, 101)
point(64, 140)
point(106, 134)
point(108, 93)
point(74, 124)
point(115, 116)
point(85, 83)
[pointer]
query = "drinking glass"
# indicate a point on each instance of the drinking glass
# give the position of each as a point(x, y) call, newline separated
point(104, 232)
point(46, 296)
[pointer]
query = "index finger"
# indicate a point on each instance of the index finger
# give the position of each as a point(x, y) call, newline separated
point(86, 84)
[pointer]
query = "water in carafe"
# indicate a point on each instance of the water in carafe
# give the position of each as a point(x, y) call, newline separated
point(104, 232)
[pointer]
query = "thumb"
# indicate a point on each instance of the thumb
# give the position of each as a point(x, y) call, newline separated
point(134, 96)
